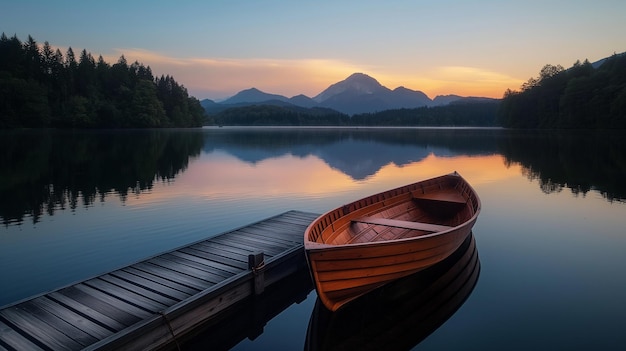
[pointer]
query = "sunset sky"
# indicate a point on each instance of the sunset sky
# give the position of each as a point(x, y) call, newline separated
point(219, 47)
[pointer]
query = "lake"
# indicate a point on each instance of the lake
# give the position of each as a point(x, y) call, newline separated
point(550, 240)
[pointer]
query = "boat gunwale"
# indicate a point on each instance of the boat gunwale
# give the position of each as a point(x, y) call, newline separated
point(310, 245)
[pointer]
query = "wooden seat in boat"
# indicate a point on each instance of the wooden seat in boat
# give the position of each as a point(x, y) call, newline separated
point(450, 195)
point(403, 224)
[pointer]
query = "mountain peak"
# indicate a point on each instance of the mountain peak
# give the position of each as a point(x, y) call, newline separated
point(253, 95)
point(360, 76)
point(355, 84)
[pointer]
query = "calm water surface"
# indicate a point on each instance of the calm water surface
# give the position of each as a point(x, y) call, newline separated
point(550, 240)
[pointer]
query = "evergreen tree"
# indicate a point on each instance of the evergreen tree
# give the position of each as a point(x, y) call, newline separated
point(579, 97)
point(40, 87)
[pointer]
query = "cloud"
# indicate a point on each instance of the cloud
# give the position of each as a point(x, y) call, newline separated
point(473, 74)
point(224, 77)
point(459, 80)
point(218, 78)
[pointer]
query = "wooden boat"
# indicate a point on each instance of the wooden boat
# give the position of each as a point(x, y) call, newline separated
point(363, 245)
point(401, 314)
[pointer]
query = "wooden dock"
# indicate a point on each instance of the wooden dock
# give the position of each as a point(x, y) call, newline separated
point(153, 303)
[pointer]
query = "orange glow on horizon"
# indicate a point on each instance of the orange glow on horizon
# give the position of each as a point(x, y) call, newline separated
point(221, 175)
point(218, 78)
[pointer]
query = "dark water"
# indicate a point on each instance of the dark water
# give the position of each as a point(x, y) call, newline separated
point(546, 270)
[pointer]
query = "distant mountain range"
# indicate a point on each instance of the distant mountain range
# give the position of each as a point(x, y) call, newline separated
point(359, 93)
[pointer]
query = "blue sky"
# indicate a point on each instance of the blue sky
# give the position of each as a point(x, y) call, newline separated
point(217, 48)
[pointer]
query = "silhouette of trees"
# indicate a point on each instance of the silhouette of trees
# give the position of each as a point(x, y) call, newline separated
point(579, 97)
point(41, 87)
point(477, 114)
point(456, 114)
point(48, 170)
point(270, 115)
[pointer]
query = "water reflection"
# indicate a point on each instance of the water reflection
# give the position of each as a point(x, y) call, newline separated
point(45, 171)
point(581, 161)
point(399, 315)
point(358, 153)
point(246, 320)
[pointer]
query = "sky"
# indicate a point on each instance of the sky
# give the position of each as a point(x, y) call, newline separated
point(217, 48)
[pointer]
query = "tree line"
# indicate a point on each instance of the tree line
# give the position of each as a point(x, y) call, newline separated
point(44, 171)
point(476, 114)
point(575, 98)
point(271, 115)
point(42, 87)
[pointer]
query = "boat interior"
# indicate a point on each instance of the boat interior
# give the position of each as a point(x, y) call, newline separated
point(403, 213)
point(415, 217)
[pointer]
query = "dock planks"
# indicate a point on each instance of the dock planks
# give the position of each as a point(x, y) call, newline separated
point(152, 303)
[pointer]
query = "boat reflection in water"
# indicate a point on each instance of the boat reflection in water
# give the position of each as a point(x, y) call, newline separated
point(247, 319)
point(401, 314)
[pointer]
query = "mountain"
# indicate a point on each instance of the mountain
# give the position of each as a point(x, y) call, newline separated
point(355, 85)
point(359, 93)
point(407, 98)
point(303, 101)
point(602, 61)
point(207, 103)
point(252, 95)
point(445, 99)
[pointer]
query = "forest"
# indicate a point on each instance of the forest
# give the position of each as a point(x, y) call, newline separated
point(271, 115)
point(47, 170)
point(475, 114)
point(580, 97)
point(42, 87)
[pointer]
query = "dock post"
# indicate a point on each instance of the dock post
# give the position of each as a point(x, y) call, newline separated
point(256, 263)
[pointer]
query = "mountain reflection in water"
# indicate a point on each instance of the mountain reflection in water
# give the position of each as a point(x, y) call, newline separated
point(45, 171)
point(399, 315)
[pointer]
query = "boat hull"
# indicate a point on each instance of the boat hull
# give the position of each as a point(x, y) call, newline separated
point(417, 304)
point(373, 241)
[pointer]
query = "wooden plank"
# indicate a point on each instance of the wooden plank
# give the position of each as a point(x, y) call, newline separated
point(198, 250)
point(251, 245)
point(126, 295)
point(273, 235)
point(233, 251)
point(224, 257)
point(261, 234)
point(35, 308)
point(71, 318)
point(281, 230)
point(180, 265)
point(403, 224)
point(15, 340)
point(298, 214)
point(40, 330)
point(215, 267)
point(240, 235)
point(152, 295)
point(447, 195)
point(151, 285)
point(90, 313)
point(121, 316)
point(279, 225)
point(167, 273)
point(124, 307)
point(120, 304)
point(163, 281)
point(302, 218)
point(264, 236)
